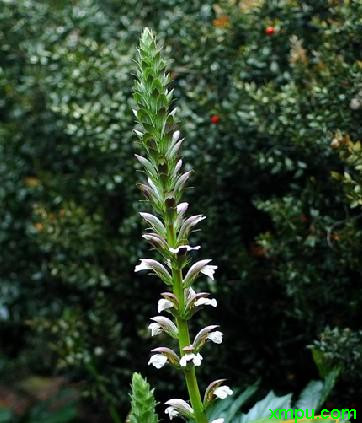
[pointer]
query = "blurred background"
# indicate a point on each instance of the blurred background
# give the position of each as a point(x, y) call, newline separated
point(269, 94)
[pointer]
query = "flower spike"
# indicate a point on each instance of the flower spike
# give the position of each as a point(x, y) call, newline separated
point(168, 231)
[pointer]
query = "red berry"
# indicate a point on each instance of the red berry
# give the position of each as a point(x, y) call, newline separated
point(214, 119)
point(269, 30)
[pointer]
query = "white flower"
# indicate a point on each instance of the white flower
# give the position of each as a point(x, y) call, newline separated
point(158, 268)
point(177, 407)
point(218, 421)
point(181, 208)
point(148, 264)
point(163, 324)
point(215, 337)
point(206, 301)
point(186, 247)
point(177, 167)
point(222, 392)
point(172, 412)
point(155, 329)
point(209, 271)
point(139, 133)
point(204, 335)
point(202, 266)
point(157, 360)
point(188, 224)
point(181, 181)
point(164, 305)
point(195, 358)
point(170, 355)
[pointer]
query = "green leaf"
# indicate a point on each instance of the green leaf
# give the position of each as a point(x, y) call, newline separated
point(311, 395)
point(5, 415)
point(261, 408)
point(328, 385)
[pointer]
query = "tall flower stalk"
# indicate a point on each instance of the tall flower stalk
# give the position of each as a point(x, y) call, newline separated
point(168, 232)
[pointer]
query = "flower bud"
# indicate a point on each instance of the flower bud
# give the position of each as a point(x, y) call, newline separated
point(155, 222)
point(156, 240)
point(187, 225)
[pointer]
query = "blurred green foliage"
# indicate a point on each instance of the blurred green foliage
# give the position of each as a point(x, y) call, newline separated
point(62, 408)
point(330, 350)
point(280, 227)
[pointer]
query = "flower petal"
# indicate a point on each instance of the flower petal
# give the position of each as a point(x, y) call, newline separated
point(209, 393)
point(145, 163)
point(223, 392)
point(177, 167)
point(164, 304)
point(194, 271)
point(157, 360)
point(154, 188)
point(181, 407)
point(175, 136)
point(215, 337)
point(181, 181)
point(183, 247)
point(209, 271)
point(158, 268)
point(172, 412)
point(191, 357)
point(188, 224)
point(202, 336)
point(206, 301)
point(156, 240)
point(167, 325)
point(181, 208)
point(138, 133)
point(171, 356)
point(155, 329)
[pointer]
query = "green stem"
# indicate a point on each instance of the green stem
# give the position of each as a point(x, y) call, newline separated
point(184, 336)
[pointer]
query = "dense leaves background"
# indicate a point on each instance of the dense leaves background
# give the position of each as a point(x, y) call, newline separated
point(259, 110)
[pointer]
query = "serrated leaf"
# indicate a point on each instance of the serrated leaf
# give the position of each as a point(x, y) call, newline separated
point(261, 408)
point(310, 396)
